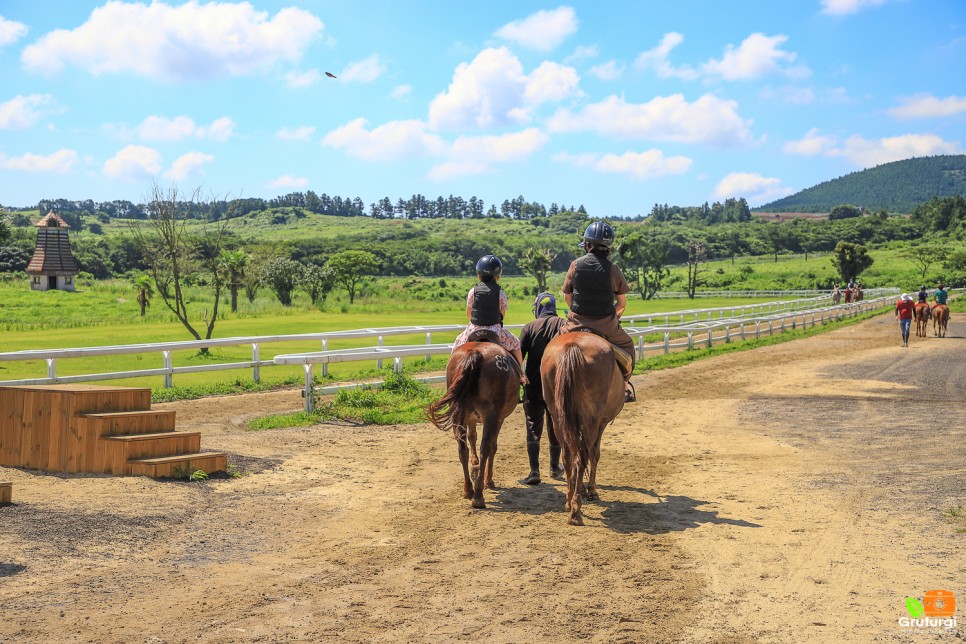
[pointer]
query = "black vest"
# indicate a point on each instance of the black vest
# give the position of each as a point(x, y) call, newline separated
point(593, 291)
point(486, 304)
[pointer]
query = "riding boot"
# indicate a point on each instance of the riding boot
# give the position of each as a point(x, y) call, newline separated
point(556, 469)
point(533, 453)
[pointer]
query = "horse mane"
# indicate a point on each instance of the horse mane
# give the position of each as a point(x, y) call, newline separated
point(571, 395)
point(449, 412)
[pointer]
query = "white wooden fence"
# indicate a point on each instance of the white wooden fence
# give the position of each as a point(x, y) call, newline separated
point(732, 320)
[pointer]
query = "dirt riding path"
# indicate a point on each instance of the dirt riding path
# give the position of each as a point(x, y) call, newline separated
point(790, 494)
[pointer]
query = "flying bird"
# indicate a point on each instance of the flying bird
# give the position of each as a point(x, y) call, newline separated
point(330, 75)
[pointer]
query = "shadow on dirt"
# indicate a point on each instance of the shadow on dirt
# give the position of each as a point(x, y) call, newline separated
point(11, 569)
point(669, 514)
point(537, 499)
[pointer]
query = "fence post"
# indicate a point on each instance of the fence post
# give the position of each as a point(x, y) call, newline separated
point(309, 393)
point(710, 338)
point(690, 340)
point(325, 365)
point(742, 331)
point(757, 329)
point(727, 335)
point(52, 368)
point(379, 360)
point(256, 358)
point(168, 366)
point(429, 341)
point(397, 365)
point(640, 347)
point(667, 342)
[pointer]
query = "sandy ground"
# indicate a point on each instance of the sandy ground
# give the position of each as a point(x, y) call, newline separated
point(796, 493)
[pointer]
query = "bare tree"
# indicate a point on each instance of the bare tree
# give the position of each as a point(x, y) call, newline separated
point(697, 254)
point(173, 256)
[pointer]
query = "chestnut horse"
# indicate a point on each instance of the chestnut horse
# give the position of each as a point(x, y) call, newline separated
point(584, 390)
point(482, 386)
point(940, 318)
point(922, 319)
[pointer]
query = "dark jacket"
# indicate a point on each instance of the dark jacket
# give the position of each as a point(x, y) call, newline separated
point(486, 304)
point(593, 289)
point(534, 338)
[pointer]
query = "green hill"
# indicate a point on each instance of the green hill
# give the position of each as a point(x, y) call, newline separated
point(896, 187)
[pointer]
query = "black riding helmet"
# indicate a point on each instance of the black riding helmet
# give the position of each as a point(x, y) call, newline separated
point(490, 266)
point(599, 233)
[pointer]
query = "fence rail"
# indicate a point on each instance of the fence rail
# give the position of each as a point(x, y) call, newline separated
point(673, 325)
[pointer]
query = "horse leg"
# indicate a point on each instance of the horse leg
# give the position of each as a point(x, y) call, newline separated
point(488, 479)
point(565, 455)
point(575, 518)
point(486, 447)
point(591, 490)
point(474, 458)
point(464, 453)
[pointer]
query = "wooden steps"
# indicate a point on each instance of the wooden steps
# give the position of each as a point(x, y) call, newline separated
point(180, 466)
point(6, 493)
point(105, 430)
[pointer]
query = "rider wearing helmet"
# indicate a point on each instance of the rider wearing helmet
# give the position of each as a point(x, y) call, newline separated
point(922, 295)
point(940, 296)
point(486, 303)
point(534, 338)
point(596, 292)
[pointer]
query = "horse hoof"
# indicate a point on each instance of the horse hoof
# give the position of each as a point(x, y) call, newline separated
point(490, 485)
point(478, 504)
point(467, 494)
point(591, 496)
point(576, 519)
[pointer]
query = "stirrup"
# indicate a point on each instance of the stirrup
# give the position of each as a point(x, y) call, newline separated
point(630, 396)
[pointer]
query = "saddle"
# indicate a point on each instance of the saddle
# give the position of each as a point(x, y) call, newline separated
point(484, 335)
point(625, 361)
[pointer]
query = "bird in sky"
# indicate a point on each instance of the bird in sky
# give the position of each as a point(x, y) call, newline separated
point(330, 75)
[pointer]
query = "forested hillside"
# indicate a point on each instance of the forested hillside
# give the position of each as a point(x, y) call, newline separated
point(897, 187)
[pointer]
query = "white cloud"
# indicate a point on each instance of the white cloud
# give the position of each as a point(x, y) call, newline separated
point(582, 52)
point(843, 7)
point(393, 140)
point(708, 120)
point(657, 59)
point(923, 106)
point(162, 128)
point(288, 181)
point(811, 144)
point(401, 92)
point(798, 95)
point(21, 112)
point(541, 31)
point(757, 56)
point(296, 80)
point(188, 166)
point(611, 70)
point(551, 82)
point(61, 161)
point(452, 169)
point(133, 163)
point(303, 133)
point(191, 41)
point(492, 90)
point(867, 153)
point(10, 31)
point(639, 165)
point(755, 188)
point(504, 148)
point(363, 71)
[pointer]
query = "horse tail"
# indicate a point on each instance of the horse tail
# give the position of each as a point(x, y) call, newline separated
point(449, 412)
point(570, 391)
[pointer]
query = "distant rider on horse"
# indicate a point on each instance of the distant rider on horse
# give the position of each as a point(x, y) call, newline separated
point(596, 292)
point(534, 338)
point(922, 297)
point(940, 296)
point(486, 304)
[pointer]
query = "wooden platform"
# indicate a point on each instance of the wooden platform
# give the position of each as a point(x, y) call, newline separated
point(6, 493)
point(105, 430)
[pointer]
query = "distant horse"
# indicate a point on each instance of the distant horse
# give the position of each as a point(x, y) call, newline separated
point(859, 294)
point(848, 295)
point(482, 386)
point(940, 319)
point(922, 319)
point(584, 390)
point(836, 295)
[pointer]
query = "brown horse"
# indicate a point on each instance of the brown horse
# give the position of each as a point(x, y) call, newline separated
point(848, 295)
point(922, 319)
point(482, 386)
point(584, 390)
point(940, 319)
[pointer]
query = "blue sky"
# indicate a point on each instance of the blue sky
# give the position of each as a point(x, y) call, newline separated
point(614, 105)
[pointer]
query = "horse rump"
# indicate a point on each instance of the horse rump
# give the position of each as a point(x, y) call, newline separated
point(449, 412)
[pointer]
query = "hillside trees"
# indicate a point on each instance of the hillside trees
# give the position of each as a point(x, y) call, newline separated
point(350, 266)
point(850, 260)
point(281, 275)
point(316, 282)
point(173, 257)
point(537, 262)
point(644, 260)
point(844, 211)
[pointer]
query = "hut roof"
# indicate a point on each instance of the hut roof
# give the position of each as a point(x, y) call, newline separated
point(52, 216)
